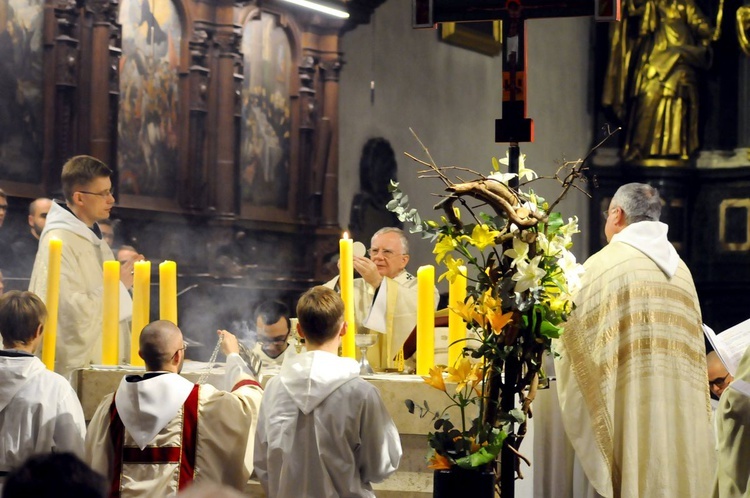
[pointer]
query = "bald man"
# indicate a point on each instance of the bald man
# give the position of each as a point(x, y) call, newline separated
point(158, 432)
point(718, 377)
point(25, 247)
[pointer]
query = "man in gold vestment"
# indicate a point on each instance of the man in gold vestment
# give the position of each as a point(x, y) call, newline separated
point(631, 370)
point(385, 298)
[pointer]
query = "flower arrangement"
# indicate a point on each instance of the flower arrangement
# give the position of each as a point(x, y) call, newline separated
point(521, 276)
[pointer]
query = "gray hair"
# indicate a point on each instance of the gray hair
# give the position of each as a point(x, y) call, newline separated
point(397, 231)
point(639, 202)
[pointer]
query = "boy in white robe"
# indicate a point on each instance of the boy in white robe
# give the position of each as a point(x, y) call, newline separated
point(323, 432)
point(159, 432)
point(39, 411)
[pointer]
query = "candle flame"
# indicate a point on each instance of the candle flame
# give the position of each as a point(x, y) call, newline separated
point(346, 235)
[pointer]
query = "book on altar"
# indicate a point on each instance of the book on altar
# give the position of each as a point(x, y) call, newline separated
point(731, 344)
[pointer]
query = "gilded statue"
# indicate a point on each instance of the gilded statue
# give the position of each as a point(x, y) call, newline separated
point(743, 28)
point(657, 53)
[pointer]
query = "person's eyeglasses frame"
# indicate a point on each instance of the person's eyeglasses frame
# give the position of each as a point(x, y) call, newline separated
point(718, 382)
point(103, 195)
point(274, 341)
point(386, 253)
point(183, 348)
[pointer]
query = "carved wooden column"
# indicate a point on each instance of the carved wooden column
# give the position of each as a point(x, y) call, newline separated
point(104, 13)
point(330, 67)
point(61, 63)
point(195, 195)
point(227, 41)
point(310, 188)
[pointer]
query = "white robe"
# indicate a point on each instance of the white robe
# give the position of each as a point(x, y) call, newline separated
point(391, 313)
point(631, 373)
point(269, 363)
point(79, 327)
point(39, 411)
point(151, 411)
point(323, 431)
point(733, 436)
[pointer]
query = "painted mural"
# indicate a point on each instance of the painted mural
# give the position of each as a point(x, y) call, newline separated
point(266, 126)
point(21, 118)
point(148, 117)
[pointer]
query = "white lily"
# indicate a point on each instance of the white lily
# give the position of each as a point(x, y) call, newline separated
point(528, 275)
point(520, 252)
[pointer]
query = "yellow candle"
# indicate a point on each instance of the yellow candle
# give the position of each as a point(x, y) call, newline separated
point(346, 282)
point(141, 306)
point(425, 319)
point(456, 324)
point(52, 302)
point(111, 313)
point(168, 291)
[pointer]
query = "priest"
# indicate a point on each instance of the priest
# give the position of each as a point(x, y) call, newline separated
point(385, 297)
point(158, 432)
point(631, 369)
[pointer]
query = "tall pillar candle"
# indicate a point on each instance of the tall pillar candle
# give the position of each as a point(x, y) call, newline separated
point(111, 313)
point(168, 291)
point(346, 283)
point(52, 302)
point(425, 319)
point(141, 307)
point(456, 324)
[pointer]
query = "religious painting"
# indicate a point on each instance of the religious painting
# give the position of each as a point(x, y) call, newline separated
point(483, 37)
point(147, 132)
point(21, 112)
point(266, 126)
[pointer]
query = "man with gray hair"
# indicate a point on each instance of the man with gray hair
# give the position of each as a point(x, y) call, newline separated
point(385, 298)
point(631, 370)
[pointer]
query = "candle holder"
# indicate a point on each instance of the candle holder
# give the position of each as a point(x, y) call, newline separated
point(364, 341)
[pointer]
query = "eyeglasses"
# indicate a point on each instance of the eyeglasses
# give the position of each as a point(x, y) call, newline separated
point(183, 348)
point(104, 194)
point(278, 340)
point(386, 253)
point(718, 382)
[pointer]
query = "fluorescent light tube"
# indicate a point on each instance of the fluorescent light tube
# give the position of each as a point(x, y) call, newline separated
point(321, 8)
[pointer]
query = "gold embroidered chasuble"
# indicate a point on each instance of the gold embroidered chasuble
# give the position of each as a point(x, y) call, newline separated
point(632, 380)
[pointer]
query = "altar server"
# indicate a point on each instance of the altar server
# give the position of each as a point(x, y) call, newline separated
point(323, 431)
point(631, 369)
point(87, 187)
point(385, 297)
point(39, 411)
point(158, 432)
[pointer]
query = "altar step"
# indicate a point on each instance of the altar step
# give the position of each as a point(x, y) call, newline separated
point(399, 485)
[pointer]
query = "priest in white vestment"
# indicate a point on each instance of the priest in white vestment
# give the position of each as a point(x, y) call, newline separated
point(631, 369)
point(159, 432)
point(88, 199)
point(733, 435)
point(323, 431)
point(385, 297)
point(39, 410)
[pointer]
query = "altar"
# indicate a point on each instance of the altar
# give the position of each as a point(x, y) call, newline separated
point(413, 479)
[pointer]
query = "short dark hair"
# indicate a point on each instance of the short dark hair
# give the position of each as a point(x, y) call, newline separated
point(272, 311)
point(320, 312)
point(79, 171)
point(21, 313)
point(55, 475)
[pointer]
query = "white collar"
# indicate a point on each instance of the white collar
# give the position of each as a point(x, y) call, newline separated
point(146, 407)
point(650, 237)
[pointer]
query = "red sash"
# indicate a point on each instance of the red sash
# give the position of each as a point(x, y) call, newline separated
point(183, 454)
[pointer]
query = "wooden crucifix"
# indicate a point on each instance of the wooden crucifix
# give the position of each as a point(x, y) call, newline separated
point(514, 126)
